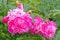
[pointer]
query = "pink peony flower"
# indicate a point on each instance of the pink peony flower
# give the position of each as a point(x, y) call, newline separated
point(20, 24)
point(49, 29)
point(18, 21)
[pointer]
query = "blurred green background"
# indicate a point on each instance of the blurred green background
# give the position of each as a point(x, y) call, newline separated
point(44, 8)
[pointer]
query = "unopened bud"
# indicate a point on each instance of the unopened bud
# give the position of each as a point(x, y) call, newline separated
point(17, 2)
point(29, 11)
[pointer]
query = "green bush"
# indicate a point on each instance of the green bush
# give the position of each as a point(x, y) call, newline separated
point(43, 8)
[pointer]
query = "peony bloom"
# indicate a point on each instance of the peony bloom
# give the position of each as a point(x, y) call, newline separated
point(18, 21)
point(20, 24)
point(49, 29)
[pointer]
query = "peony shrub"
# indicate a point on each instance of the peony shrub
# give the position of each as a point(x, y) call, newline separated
point(20, 22)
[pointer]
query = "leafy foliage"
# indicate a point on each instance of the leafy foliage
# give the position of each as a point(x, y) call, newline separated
point(43, 8)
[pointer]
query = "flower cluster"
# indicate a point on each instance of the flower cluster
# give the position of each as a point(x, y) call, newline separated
point(21, 22)
point(44, 28)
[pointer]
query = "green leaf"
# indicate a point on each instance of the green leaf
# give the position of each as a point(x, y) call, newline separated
point(58, 23)
point(57, 36)
point(18, 38)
